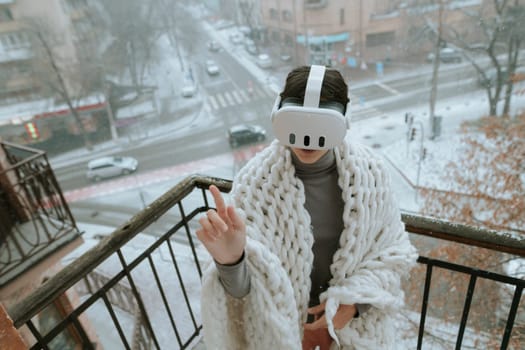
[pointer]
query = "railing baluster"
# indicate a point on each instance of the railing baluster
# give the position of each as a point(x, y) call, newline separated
point(37, 335)
point(424, 305)
point(512, 315)
point(190, 239)
point(86, 343)
point(181, 282)
point(115, 321)
point(140, 303)
point(163, 295)
point(466, 309)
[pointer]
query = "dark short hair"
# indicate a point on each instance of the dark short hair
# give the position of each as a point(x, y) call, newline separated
point(334, 86)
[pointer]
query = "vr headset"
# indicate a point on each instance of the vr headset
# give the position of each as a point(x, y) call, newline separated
point(310, 124)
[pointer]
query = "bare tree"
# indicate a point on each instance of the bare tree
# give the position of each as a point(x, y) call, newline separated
point(57, 73)
point(501, 24)
point(133, 32)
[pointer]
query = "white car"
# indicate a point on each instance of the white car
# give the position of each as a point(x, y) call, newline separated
point(264, 61)
point(212, 68)
point(110, 166)
point(189, 90)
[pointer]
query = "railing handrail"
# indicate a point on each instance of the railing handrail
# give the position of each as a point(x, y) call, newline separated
point(72, 273)
point(35, 154)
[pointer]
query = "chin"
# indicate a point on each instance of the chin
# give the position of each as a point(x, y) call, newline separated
point(308, 156)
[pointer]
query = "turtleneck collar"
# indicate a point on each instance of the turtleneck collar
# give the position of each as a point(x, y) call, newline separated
point(324, 165)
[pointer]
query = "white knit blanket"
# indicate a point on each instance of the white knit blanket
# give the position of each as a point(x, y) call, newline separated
point(374, 254)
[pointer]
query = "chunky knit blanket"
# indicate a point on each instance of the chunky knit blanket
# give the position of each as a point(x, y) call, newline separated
point(374, 254)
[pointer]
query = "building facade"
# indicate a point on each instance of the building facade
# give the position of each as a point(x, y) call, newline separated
point(355, 33)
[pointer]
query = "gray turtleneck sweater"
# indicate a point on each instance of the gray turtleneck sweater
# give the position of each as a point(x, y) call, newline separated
point(325, 204)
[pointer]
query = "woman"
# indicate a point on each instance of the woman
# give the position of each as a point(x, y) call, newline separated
point(313, 249)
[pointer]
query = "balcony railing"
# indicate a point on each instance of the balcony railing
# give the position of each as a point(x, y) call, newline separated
point(140, 286)
point(35, 220)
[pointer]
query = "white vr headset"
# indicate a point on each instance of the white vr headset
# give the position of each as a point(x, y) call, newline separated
point(310, 124)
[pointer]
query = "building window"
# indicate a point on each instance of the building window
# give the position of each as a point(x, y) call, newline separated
point(287, 15)
point(274, 14)
point(276, 37)
point(5, 15)
point(378, 39)
point(288, 40)
point(341, 16)
point(13, 40)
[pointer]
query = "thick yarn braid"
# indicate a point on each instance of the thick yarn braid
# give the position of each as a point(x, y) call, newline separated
point(374, 252)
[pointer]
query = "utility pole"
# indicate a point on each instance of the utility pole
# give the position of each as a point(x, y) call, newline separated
point(435, 70)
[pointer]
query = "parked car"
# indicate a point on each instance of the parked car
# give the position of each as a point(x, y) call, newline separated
point(213, 46)
point(105, 167)
point(189, 89)
point(447, 55)
point(264, 61)
point(250, 48)
point(245, 133)
point(285, 57)
point(212, 68)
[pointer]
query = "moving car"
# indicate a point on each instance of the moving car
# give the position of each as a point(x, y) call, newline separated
point(189, 89)
point(110, 166)
point(245, 133)
point(212, 68)
point(447, 55)
point(213, 46)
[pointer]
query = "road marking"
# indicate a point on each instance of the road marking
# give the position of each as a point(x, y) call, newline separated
point(387, 88)
point(237, 96)
point(221, 100)
point(231, 102)
point(213, 102)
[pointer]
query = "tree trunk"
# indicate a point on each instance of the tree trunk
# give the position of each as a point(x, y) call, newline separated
point(62, 90)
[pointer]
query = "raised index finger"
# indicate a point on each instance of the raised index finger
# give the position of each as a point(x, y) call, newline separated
point(219, 201)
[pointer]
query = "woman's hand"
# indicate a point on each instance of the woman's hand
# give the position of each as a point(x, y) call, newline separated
point(316, 333)
point(222, 231)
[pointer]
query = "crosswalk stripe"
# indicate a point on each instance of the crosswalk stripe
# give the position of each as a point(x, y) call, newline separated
point(221, 100)
point(235, 94)
point(231, 102)
point(213, 102)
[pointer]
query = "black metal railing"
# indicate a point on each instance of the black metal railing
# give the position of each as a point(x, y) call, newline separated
point(34, 214)
point(146, 283)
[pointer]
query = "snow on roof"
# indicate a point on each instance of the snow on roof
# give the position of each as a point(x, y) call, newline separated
point(24, 111)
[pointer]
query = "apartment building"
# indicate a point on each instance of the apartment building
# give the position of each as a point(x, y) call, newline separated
point(352, 33)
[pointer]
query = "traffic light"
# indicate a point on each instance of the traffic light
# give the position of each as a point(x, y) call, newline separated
point(424, 154)
point(32, 130)
point(412, 134)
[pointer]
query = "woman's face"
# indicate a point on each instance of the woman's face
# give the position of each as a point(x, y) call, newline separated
point(308, 156)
